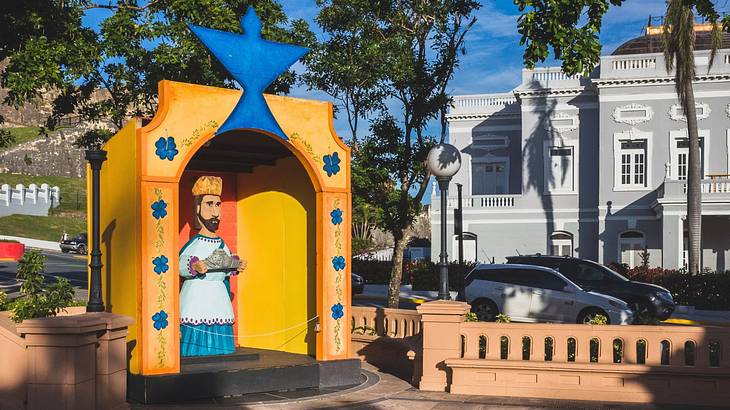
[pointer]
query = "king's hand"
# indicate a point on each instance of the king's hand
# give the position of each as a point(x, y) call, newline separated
point(242, 266)
point(200, 267)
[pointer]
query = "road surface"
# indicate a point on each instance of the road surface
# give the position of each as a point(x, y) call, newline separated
point(69, 266)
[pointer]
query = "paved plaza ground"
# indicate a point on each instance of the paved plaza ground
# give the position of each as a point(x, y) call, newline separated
point(387, 391)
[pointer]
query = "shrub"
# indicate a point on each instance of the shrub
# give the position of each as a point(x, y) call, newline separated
point(502, 318)
point(3, 301)
point(39, 300)
point(471, 317)
point(598, 320)
point(9, 241)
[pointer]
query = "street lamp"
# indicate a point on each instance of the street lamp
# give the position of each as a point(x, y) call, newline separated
point(96, 157)
point(443, 161)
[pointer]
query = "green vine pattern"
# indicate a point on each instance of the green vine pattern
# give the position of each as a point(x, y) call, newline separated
point(307, 147)
point(188, 141)
point(338, 278)
point(161, 285)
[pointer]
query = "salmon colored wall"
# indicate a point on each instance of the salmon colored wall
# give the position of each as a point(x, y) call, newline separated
point(277, 233)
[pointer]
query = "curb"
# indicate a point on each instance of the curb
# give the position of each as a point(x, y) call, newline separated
point(689, 322)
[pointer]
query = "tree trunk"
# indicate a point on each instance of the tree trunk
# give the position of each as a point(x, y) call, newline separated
point(396, 273)
point(694, 180)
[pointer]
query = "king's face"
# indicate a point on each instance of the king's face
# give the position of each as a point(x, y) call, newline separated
point(209, 211)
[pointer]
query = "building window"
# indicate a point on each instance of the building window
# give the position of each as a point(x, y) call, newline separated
point(470, 247)
point(679, 152)
point(560, 172)
point(561, 244)
point(631, 244)
point(490, 178)
point(633, 164)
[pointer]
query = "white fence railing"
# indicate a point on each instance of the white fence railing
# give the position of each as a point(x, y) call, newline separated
point(484, 201)
point(634, 63)
point(31, 194)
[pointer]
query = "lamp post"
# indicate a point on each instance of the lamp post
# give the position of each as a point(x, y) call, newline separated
point(96, 158)
point(443, 161)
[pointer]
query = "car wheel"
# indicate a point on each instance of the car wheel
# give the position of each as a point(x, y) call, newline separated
point(64, 250)
point(587, 315)
point(82, 250)
point(485, 309)
point(642, 312)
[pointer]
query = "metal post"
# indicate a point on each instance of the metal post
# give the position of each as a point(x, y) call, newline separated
point(96, 158)
point(443, 258)
point(459, 225)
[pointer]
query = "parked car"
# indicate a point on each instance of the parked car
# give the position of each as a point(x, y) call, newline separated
point(78, 244)
point(648, 302)
point(530, 293)
point(358, 284)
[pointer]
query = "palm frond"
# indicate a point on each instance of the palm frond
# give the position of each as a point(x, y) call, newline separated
point(679, 40)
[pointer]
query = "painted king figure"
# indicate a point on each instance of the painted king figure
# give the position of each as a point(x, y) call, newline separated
point(206, 314)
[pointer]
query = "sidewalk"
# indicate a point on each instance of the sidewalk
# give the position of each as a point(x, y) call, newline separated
point(34, 243)
point(406, 293)
point(392, 393)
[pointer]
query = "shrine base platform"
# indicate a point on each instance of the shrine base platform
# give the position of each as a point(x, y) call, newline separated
point(245, 372)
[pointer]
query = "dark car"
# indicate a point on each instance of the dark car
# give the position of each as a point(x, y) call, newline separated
point(648, 302)
point(79, 244)
point(358, 284)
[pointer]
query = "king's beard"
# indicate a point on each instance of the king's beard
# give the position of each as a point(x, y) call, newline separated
point(209, 224)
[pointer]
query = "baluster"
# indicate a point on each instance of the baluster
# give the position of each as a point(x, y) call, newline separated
point(493, 344)
point(471, 345)
point(653, 351)
point(538, 347)
point(560, 348)
point(629, 356)
point(583, 349)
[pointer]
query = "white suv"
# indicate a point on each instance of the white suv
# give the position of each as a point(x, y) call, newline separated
point(529, 293)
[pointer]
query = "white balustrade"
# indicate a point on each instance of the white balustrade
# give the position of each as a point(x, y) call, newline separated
point(483, 201)
point(484, 101)
point(634, 63)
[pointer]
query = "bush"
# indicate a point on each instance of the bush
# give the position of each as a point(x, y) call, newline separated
point(39, 300)
point(3, 301)
point(707, 290)
point(9, 241)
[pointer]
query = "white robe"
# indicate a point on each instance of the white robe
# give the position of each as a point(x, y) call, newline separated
point(204, 299)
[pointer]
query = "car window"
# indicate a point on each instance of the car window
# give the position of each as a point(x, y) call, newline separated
point(543, 280)
point(586, 273)
point(494, 275)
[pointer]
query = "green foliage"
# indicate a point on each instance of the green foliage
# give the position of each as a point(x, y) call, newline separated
point(471, 317)
point(93, 139)
point(378, 52)
point(502, 318)
point(706, 290)
point(7, 139)
point(3, 301)
point(598, 320)
point(47, 228)
point(135, 48)
point(363, 330)
point(38, 300)
point(9, 241)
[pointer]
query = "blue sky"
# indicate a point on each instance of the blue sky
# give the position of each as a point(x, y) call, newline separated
point(493, 61)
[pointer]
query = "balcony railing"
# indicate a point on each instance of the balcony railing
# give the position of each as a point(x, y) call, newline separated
point(653, 65)
point(483, 103)
point(480, 201)
point(711, 188)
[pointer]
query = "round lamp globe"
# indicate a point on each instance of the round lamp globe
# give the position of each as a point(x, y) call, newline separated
point(444, 160)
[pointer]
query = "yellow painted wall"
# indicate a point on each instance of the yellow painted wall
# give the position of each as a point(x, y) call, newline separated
point(276, 235)
point(119, 224)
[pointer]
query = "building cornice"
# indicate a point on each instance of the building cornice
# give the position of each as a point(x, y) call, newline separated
point(482, 116)
point(544, 92)
point(623, 82)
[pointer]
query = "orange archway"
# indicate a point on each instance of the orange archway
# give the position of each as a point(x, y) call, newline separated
point(146, 167)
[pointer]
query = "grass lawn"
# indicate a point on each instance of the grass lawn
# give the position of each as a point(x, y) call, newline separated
point(48, 228)
point(24, 134)
point(73, 190)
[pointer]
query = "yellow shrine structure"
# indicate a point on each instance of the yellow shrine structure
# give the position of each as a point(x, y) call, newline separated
point(286, 210)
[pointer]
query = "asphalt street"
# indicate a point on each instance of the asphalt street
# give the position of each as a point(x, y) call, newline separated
point(70, 266)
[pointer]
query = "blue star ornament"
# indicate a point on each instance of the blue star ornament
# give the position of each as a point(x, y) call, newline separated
point(254, 63)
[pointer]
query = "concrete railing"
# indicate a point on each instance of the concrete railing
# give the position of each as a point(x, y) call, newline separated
point(549, 77)
point(395, 323)
point(28, 200)
point(75, 360)
point(644, 364)
point(484, 201)
point(653, 65)
point(483, 103)
point(712, 188)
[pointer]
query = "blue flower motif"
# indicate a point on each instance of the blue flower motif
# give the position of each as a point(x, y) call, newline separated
point(166, 148)
point(337, 311)
point(338, 262)
point(331, 164)
point(160, 319)
point(159, 209)
point(160, 263)
point(336, 216)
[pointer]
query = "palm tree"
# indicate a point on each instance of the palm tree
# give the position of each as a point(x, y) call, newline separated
point(679, 39)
